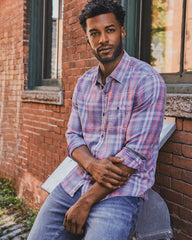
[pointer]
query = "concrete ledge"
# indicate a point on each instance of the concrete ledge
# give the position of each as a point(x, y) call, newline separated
point(179, 105)
point(46, 97)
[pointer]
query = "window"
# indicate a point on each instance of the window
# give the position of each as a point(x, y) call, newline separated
point(45, 45)
point(160, 33)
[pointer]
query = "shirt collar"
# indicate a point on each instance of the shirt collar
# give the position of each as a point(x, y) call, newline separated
point(117, 73)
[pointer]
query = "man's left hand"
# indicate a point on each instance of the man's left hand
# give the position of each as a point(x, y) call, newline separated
point(76, 217)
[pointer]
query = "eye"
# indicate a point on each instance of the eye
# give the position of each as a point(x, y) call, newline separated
point(110, 30)
point(94, 34)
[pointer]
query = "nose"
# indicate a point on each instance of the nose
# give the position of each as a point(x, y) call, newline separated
point(103, 38)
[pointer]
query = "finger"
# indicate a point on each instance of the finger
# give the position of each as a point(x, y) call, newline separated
point(116, 177)
point(115, 182)
point(65, 221)
point(73, 228)
point(116, 159)
point(110, 186)
point(79, 229)
point(119, 172)
point(67, 225)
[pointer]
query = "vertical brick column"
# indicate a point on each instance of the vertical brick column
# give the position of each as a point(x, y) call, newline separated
point(174, 178)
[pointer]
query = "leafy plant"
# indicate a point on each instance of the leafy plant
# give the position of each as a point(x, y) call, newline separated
point(11, 204)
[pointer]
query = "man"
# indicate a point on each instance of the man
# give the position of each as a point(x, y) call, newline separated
point(113, 133)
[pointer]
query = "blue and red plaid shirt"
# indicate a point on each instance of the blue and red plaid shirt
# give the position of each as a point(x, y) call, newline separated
point(122, 118)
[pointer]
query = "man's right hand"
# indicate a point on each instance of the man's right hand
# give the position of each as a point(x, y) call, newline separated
point(109, 172)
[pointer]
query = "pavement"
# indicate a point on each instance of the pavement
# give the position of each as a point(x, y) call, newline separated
point(9, 229)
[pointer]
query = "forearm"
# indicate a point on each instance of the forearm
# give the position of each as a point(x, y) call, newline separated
point(77, 215)
point(95, 194)
point(83, 156)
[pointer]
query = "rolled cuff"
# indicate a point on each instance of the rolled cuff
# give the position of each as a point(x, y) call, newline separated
point(131, 158)
point(74, 145)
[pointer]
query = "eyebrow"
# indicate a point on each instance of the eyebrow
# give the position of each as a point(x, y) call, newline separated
point(95, 29)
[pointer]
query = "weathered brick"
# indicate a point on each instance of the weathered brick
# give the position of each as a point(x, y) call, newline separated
point(171, 195)
point(172, 147)
point(163, 180)
point(185, 214)
point(187, 201)
point(187, 176)
point(181, 236)
point(182, 137)
point(182, 162)
point(181, 187)
point(179, 124)
point(165, 157)
point(184, 226)
point(169, 170)
point(187, 150)
point(187, 125)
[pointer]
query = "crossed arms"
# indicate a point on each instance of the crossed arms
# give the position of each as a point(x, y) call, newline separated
point(109, 174)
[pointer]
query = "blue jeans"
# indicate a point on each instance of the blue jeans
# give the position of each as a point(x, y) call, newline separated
point(110, 219)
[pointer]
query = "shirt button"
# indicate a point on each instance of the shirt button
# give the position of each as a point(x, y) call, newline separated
point(103, 114)
point(102, 135)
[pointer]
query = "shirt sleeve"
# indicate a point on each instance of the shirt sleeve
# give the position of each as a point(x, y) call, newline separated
point(74, 133)
point(144, 128)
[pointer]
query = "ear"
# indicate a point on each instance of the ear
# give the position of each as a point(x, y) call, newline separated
point(87, 40)
point(123, 32)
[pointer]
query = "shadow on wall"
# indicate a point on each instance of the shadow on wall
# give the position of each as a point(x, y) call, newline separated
point(30, 190)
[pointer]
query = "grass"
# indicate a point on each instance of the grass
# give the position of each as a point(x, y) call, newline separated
point(10, 204)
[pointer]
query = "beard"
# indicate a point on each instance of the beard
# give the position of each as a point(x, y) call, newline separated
point(117, 52)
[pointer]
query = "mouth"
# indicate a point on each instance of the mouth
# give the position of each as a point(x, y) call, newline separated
point(104, 50)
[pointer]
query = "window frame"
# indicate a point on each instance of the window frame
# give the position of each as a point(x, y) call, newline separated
point(139, 46)
point(36, 49)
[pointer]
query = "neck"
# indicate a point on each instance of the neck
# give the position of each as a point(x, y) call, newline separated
point(107, 68)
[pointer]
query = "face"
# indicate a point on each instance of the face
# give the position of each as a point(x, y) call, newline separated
point(105, 36)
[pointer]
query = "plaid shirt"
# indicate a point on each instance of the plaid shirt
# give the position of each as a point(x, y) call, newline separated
point(122, 118)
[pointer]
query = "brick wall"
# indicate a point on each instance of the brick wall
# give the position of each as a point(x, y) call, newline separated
point(174, 178)
point(32, 142)
point(32, 135)
point(11, 81)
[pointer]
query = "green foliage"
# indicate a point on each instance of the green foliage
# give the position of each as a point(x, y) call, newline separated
point(11, 204)
point(158, 29)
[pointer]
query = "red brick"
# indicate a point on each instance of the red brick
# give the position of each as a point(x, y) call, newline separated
point(187, 201)
point(187, 125)
point(182, 162)
point(169, 171)
point(187, 150)
point(182, 236)
point(179, 124)
point(163, 180)
point(181, 187)
point(172, 147)
point(182, 137)
point(187, 176)
point(171, 195)
point(185, 214)
point(184, 226)
point(165, 157)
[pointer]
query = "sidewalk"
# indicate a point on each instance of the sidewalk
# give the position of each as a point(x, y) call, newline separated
point(9, 229)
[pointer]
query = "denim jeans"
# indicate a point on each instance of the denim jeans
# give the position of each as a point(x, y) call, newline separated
point(110, 219)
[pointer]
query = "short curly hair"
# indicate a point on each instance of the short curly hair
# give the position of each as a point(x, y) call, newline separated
point(96, 7)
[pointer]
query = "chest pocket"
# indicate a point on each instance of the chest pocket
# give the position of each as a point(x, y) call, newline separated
point(118, 116)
